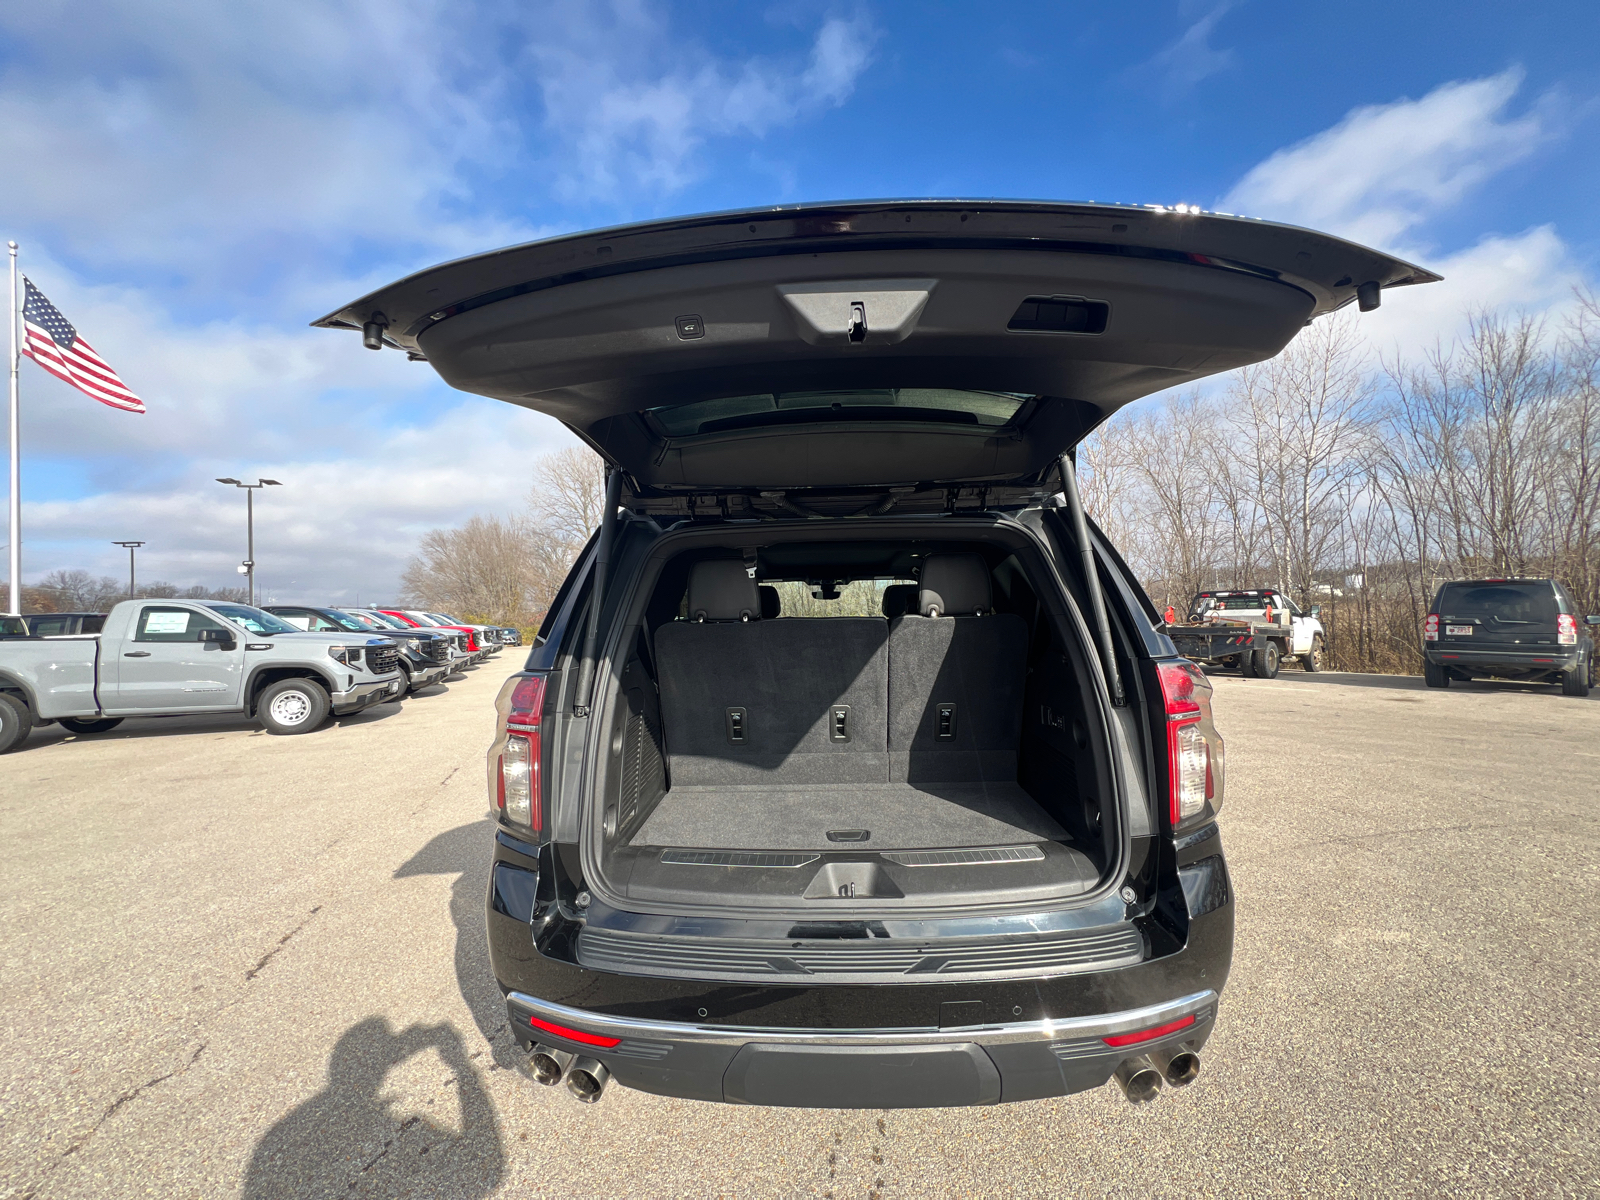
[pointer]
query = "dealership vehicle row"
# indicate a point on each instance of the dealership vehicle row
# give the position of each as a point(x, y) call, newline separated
point(289, 667)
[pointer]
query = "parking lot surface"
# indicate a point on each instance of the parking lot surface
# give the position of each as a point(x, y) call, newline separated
point(237, 964)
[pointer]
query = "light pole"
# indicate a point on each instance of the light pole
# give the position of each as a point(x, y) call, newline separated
point(248, 567)
point(132, 546)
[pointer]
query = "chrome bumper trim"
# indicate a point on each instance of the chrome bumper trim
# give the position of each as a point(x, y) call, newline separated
point(1069, 1028)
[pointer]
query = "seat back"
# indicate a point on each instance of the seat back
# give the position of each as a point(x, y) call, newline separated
point(956, 681)
point(746, 700)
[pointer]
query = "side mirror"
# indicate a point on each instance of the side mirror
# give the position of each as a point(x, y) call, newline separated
point(220, 638)
point(1316, 610)
point(1592, 619)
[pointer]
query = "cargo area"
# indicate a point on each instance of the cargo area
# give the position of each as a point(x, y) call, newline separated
point(936, 750)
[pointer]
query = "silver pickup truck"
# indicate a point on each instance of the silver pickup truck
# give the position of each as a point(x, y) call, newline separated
point(170, 658)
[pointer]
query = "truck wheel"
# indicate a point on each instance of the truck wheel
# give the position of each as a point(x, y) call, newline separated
point(406, 686)
point(1311, 660)
point(1576, 681)
point(292, 706)
point(1434, 675)
point(1264, 662)
point(16, 722)
point(85, 725)
point(1247, 664)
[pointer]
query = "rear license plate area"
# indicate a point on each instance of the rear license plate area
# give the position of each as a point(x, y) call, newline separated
point(942, 1076)
point(1458, 630)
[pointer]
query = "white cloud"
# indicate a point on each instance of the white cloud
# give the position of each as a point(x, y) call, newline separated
point(1380, 173)
point(1531, 271)
point(630, 108)
point(336, 527)
point(1192, 58)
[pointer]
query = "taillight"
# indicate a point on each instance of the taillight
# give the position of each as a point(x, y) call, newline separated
point(1567, 629)
point(578, 1035)
point(518, 793)
point(1149, 1035)
point(1430, 628)
point(1191, 774)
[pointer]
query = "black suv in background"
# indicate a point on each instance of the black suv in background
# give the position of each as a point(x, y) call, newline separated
point(1530, 630)
point(424, 655)
point(956, 843)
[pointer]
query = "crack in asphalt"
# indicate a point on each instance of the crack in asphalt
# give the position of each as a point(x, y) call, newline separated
point(129, 1097)
point(282, 942)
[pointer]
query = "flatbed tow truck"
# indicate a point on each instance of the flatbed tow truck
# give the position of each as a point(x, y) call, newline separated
point(1254, 630)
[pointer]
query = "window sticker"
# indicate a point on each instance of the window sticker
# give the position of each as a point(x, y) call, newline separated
point(166, 622)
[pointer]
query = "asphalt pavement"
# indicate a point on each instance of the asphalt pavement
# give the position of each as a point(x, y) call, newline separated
point(237, 964)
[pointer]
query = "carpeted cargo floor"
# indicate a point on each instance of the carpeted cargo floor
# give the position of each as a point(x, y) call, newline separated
point(898, 816)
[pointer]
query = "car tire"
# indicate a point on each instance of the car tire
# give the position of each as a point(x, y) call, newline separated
point(92, 725)
point(1264, 662)
point(1576, 681)
point(292, 706)
point(1311, 660)
point(1434, 675)
point(1247, 664)
point(16, 722)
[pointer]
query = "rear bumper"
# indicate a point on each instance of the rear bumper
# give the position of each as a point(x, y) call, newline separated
point(867, 1068)
point(1509, 663)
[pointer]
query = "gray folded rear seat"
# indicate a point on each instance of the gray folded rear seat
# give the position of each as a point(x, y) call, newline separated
point(747, 701)
point(956, 677)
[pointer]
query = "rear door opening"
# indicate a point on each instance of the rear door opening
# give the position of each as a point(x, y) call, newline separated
point(934, 740)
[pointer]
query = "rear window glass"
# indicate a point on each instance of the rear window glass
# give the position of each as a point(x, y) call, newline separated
point(1499, 603)
point(939, 405)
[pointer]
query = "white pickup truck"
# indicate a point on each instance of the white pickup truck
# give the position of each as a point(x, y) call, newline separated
point(1254, 630)
point(170, 658)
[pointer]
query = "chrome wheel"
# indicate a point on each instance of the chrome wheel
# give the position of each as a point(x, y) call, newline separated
point(290, 708)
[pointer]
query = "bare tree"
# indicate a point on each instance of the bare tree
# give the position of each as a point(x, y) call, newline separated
point(569, 493)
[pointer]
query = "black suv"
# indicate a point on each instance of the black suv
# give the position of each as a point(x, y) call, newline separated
point(850, 767)
point(424, 655)
point(1522, 629)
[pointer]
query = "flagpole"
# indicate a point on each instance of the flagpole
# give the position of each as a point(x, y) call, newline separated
point(16, 472)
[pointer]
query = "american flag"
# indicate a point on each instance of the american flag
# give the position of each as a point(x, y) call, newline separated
point(56, 346)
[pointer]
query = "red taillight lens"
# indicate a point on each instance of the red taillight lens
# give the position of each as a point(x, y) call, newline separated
point(1191, 775)
point(1150, 1035)
point(519, 793)
point(1567, 630)
point(578, 1035)
point(1430, 628)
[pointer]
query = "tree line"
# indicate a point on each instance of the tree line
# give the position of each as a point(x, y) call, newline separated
point(74, 590)
point(1360, 483)
point(505, 570)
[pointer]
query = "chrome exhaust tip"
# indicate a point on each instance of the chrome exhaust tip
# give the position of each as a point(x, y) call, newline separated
point(1138, 1078)
point(1179, 1065)
point(587, 1079)
point(549, 1064)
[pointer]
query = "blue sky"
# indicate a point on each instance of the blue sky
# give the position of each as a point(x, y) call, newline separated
point(191, 183)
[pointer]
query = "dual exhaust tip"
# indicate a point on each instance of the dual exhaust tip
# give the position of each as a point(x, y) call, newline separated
point(586, 1077)
point(1141, 1078)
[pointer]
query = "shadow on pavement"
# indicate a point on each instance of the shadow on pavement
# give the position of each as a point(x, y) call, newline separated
point(349, 1130)
point(464, 852)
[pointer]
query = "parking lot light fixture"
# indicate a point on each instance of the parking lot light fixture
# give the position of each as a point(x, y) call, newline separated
point(132, 546)
point(248, 567)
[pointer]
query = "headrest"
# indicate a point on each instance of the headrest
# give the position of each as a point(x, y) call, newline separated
point(721, 590)
point(771, 603)
point(954, 585)
point(898, 599)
